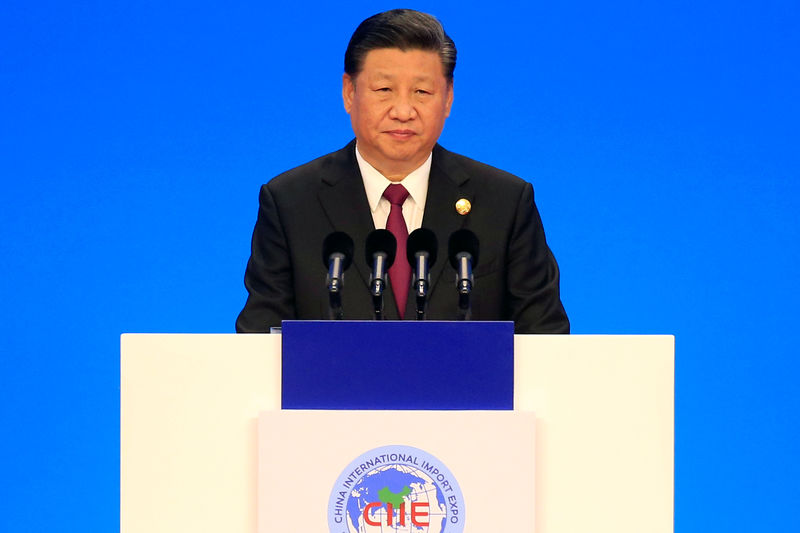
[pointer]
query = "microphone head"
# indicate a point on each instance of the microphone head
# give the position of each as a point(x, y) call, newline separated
point(421, 240)
point(381, 240)
point(337, 242)
point(461, 241)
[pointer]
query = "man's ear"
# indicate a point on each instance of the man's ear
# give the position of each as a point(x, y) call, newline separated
point(348, 91)
point(449, 100)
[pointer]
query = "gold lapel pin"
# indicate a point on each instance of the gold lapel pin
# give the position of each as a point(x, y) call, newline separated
point(463, 206)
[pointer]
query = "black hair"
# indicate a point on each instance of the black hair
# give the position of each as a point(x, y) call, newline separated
point(405, 29)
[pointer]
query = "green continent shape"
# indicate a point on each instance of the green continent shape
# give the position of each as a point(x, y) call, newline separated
point(395, 498)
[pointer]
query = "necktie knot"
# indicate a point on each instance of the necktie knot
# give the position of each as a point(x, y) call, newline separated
point(396, 194)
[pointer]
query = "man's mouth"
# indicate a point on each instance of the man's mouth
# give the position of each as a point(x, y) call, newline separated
point(401, 134)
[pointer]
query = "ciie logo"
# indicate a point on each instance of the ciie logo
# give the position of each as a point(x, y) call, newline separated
point(396, 489)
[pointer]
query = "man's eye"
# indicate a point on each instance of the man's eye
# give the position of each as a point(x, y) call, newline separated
point(382, 90)
point(422, 91)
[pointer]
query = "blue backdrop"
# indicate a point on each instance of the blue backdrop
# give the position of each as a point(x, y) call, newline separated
point(661, 138)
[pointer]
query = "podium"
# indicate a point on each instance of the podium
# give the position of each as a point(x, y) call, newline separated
point(190, 404)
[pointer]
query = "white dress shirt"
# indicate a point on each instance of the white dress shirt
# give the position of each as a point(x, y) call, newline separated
point(415, 183)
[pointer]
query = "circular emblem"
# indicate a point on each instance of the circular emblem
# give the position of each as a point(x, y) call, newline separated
point(463, 206)
point(397, 489)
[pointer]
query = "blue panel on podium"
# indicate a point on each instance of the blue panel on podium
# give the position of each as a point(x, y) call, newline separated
point(397, 365)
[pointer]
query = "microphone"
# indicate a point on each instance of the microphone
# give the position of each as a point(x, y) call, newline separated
point(462, 249)
point(421, 249)
point(337, 255)
point(381, 248)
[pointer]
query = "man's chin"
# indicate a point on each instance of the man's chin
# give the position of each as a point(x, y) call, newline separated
point(402, 151)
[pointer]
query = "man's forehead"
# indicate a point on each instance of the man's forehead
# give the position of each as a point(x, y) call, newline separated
point(382, 74)
point(388, 63)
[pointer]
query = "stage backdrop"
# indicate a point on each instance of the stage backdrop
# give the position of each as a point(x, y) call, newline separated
point(661, 138)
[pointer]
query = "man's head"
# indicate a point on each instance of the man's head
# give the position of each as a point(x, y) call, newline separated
point(405, 29)
point(398, 88)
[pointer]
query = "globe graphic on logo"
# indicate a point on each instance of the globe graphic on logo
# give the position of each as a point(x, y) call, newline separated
point(396, 484)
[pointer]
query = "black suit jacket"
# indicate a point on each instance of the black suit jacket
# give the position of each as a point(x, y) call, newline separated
point(516, 278)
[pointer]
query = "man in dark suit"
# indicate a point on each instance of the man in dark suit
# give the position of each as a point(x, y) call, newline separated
point(398, 90)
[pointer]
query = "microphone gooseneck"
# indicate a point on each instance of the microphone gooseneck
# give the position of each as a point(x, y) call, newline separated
point(337, 255)
point(380, 251)
point(421, 250)
point(462, 250)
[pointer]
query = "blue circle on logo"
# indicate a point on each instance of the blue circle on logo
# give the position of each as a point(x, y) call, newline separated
point(398, 489)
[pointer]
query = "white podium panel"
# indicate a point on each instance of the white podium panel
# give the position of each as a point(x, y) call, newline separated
point(604, 430)
point(469, 470)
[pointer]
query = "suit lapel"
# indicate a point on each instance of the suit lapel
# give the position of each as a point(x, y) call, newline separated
point(447, 184)
point(345, 204)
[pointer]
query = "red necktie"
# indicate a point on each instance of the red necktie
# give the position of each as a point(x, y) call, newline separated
point(400, 272)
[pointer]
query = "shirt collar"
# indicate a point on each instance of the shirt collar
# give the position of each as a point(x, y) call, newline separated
point(416, 183)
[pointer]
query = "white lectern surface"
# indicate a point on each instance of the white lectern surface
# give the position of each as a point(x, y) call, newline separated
point(604, 431)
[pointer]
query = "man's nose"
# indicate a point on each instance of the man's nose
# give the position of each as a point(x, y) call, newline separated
point(403, 109)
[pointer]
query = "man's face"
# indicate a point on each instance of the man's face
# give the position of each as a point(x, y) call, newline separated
point(397, 104)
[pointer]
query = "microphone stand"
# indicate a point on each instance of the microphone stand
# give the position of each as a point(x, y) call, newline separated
point(464, 284)
point(335, 274)
point(378, 284)
point(421, 284)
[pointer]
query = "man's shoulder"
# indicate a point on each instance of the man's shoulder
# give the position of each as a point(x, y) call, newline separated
point(329, 167)
point(461, 167)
